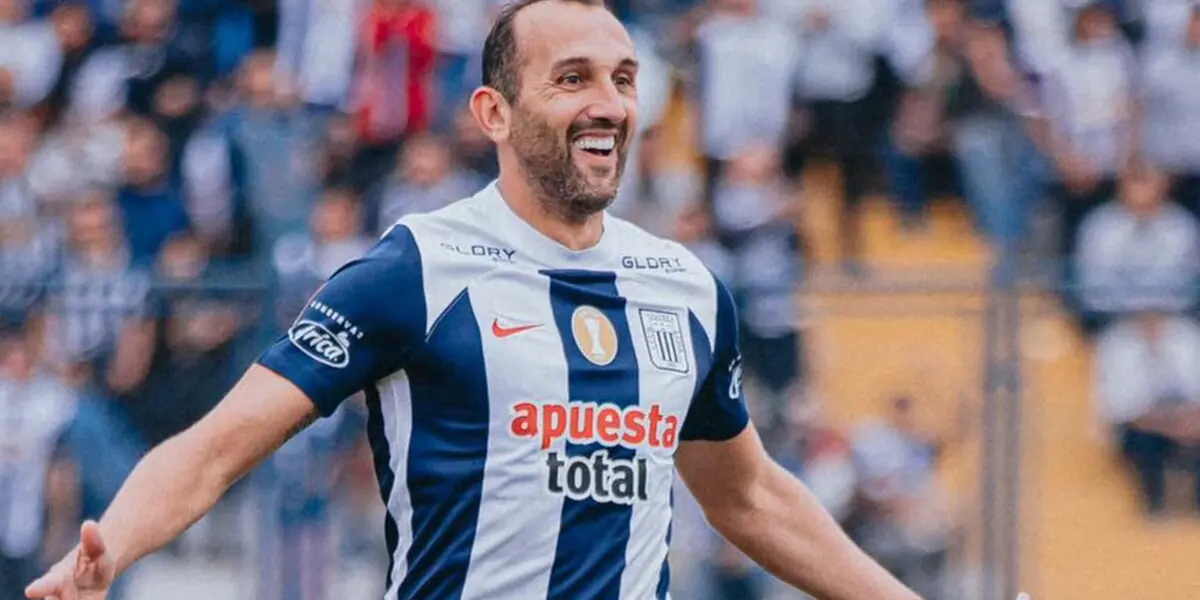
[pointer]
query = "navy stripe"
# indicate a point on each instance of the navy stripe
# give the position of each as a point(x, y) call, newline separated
point(377, 437)
point(590, 556)
point(664, 574)
point(447, 455)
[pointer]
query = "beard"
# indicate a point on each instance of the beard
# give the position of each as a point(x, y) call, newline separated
point(545, 158)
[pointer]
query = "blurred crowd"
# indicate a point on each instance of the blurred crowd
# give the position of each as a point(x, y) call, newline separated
point(178, 176)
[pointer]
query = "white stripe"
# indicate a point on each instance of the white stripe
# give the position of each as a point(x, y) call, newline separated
point(395, 403)
point(647, 547)
point(517, 532)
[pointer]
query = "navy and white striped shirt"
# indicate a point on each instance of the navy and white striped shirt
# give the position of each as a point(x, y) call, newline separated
point(526, 400)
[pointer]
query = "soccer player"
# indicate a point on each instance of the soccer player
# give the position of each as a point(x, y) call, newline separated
point(536, 372)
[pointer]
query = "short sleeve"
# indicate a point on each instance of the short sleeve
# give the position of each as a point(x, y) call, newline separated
point(718, 412)
point(363, 324)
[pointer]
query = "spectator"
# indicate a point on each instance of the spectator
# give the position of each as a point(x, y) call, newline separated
point(1139, 265)
point(213, 187)
point(36, 475)
point(821, 456)
point(903, 518)
point(462, 27)
point(75, 31)
point(839, 42)
point(971, 103)
point(747, 66)
point(1089, 107)
point(76, 157)
point(176, 110)
point(693, 229)
point(341, 155)
point(306, 471)
point(395, 85)
point(1170, 94)
point(193, 360)
point(98, 317)
point(271, 148)
point(1139, 254)
point(1167, 21)
point(30, 57)
point(1041, 31)
point(317, 44)
point(152, 52)
point(303, 260)
point(425, 180)
point(151, 208)
point(27, 242)
point(753, 223)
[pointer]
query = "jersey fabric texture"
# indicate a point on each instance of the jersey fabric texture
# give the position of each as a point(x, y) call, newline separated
point(526, 400)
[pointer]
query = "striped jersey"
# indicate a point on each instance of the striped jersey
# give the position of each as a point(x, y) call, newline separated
point(526, 400)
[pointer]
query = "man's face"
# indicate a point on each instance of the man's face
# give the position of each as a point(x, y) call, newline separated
point(1143, 190)
point(1097, 24)
point(576, 107)
point(92, 228)
point(1193, 31)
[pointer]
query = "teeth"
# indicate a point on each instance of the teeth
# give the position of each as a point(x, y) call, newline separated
point(593, 143)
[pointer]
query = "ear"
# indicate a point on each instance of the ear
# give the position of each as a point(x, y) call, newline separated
point(492, 113)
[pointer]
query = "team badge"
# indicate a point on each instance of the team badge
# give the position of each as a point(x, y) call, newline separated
point(594, 335)
point(664, 340)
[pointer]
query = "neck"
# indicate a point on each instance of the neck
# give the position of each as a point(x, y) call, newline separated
point(524, 202)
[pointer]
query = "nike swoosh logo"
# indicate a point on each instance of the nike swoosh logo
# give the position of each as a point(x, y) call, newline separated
point(503, 332)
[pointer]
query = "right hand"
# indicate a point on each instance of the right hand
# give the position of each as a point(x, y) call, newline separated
point(84, 574)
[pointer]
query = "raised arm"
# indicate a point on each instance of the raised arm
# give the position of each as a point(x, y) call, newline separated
point(357, 329)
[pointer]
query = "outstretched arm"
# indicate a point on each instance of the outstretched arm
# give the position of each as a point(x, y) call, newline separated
point(776, 521)
point(751, 500)
point(180, 480)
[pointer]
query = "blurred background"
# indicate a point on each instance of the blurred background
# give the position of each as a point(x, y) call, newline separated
point(963, 236)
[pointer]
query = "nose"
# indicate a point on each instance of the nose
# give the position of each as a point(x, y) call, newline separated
point(608, 104)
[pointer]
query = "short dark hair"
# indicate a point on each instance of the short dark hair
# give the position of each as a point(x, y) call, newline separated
point(501, 61)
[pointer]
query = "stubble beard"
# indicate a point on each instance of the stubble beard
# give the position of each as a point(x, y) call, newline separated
point(545, 159)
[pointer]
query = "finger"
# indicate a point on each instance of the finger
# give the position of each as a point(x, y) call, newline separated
point(91, 544)
point(41, 588)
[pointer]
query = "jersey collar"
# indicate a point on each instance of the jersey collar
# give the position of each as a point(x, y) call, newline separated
point(535, 243)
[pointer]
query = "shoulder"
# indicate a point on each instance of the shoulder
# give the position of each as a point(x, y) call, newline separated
point(644, 251)
point(673, 268)
point(1106, 215)
point(1180, 220)
point(458, 239)
point(444, 250)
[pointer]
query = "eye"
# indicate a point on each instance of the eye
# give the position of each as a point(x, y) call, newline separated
point(624, 80)
point(572, 79)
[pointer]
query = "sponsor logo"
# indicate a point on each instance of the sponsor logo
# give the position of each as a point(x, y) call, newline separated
point(664, 340)
point(496, 254)
point(735, 378)
point(598, 476)
point(669, 264)
point(501, 331)
point(320, 344)
point(594, 335)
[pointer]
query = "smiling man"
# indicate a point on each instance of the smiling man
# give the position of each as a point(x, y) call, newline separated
point(531, 398)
